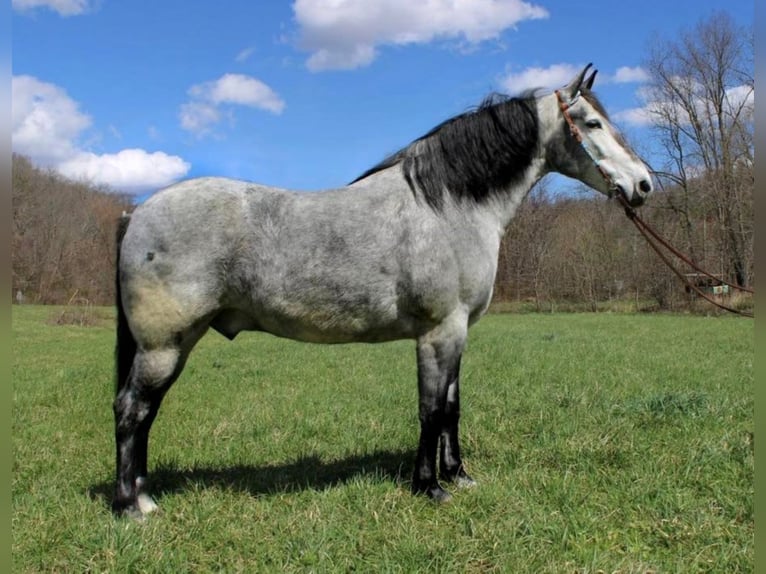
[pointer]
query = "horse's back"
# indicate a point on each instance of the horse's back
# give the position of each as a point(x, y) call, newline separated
point(334, 266)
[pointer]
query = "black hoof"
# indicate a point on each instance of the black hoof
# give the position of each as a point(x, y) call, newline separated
point(432, 491)
point(123, 510)
point(119, 506)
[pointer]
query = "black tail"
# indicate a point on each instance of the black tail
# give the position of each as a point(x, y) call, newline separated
point(125, 348)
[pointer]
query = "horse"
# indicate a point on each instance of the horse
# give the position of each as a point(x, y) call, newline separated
point(408, 250)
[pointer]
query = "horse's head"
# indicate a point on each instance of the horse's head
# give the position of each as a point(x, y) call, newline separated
point(585, 145)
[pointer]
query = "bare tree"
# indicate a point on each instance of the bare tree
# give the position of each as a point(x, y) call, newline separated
point(525, 248)
point(702, 91)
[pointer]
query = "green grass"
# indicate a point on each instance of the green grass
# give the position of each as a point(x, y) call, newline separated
point(601, 442)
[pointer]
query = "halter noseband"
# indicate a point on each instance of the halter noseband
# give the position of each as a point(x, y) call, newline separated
point(564, 106)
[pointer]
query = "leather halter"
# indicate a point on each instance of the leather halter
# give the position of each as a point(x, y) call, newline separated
point(564, 107)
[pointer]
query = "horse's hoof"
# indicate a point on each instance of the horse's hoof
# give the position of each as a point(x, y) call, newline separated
point(138, 510)
point(131, 512)
point(439, 495)
point(462, 480)
point(146, 504)
point(433, 491)
point(135, 515)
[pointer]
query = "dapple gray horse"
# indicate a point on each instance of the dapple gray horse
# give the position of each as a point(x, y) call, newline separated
point(407, 251)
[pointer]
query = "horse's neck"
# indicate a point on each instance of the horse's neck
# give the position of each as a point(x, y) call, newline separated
point(501, 208)
point(504, 205)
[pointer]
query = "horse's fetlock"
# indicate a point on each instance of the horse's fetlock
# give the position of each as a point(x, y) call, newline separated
point(432, 419)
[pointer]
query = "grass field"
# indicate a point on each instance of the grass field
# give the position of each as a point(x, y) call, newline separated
point(601, 442)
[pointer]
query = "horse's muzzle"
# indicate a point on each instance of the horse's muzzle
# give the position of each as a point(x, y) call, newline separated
point(637, 195)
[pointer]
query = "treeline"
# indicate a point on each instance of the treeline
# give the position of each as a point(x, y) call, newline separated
point(63, 239)
point(560, 252)
point(582, 252)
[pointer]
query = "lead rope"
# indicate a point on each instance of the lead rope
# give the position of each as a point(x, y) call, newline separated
point(644, 227)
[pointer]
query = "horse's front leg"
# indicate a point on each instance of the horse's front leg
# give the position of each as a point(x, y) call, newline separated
point(439, 353)
point(450, 463)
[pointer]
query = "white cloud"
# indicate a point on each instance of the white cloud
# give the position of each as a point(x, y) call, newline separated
point(204, 110)
point(198, 117)
point(628, 75)
point(741, 97)
point(347, 59)
point(245, 54)
point(344, 34)
point(558, 75)
point(46, 121)
point(240, 89)
point(740, 101)
point(551, 77)
point(129, 170)
point(63, 7)
point(47, 125)
point(636, 117)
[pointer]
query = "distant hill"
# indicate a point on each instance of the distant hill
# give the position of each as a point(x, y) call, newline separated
point(63, 244)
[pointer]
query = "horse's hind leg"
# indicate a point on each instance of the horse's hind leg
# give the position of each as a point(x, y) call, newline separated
point(135, 408)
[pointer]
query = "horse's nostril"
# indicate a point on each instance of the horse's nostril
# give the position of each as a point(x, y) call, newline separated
point(645, 185)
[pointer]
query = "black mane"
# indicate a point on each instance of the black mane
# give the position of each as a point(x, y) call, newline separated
point(473, 155)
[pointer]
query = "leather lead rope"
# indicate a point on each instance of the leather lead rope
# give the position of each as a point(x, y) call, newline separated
point(647, 231)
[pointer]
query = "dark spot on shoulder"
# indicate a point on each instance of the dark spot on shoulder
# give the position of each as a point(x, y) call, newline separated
point(150, 256)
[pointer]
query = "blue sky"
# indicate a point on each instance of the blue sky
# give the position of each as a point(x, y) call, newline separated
point(304, 94)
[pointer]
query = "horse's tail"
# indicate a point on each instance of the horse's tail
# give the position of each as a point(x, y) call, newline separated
point(125, 348)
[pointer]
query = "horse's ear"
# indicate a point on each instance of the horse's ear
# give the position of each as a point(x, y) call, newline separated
point(588, 83)
point(574, 86)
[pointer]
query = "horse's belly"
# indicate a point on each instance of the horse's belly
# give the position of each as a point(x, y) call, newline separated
point(316, 325)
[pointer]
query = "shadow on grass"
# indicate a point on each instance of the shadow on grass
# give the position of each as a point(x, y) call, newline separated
point(308, 472)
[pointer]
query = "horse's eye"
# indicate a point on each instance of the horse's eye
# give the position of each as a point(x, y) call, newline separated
point(593, 124)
